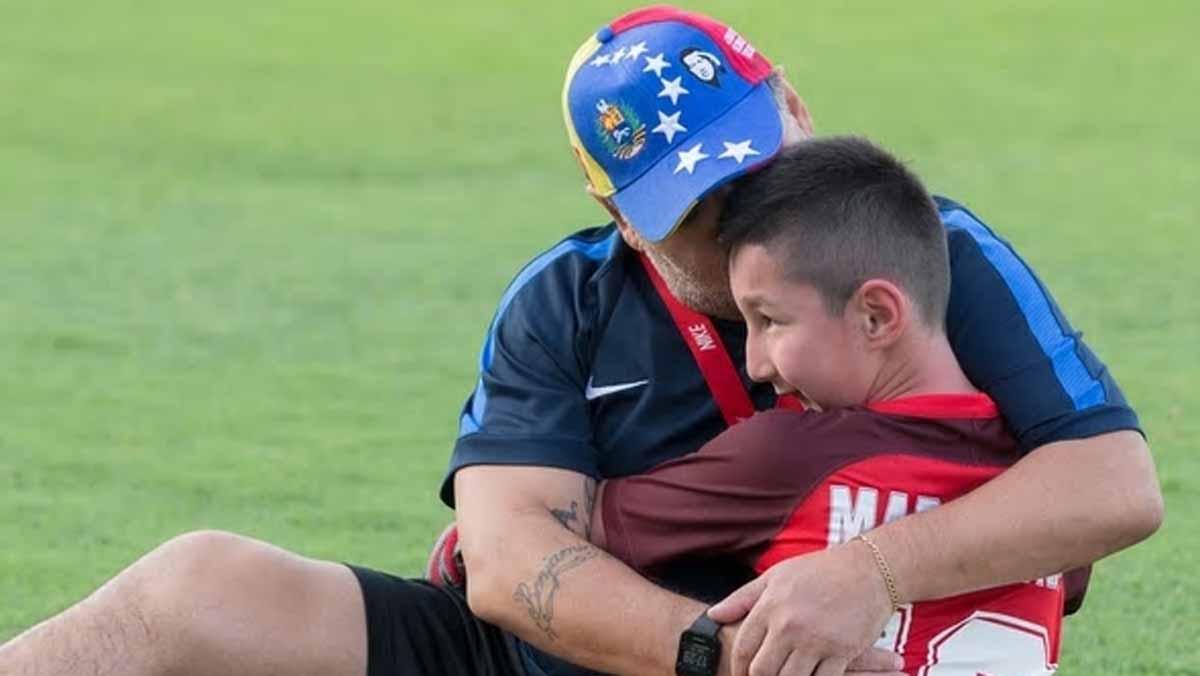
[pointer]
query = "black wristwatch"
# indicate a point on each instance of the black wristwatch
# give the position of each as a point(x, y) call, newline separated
point(699, 648)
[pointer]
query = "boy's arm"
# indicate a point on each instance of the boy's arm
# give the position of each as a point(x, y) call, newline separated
point(730, 497)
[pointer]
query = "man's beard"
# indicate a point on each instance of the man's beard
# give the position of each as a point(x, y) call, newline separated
point(715, 299)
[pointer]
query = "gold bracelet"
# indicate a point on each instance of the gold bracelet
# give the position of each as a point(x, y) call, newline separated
point(885, 570)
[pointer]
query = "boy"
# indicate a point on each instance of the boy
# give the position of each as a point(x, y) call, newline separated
point(838, 262)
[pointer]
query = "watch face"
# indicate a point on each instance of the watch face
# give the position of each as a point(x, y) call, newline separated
point(697, 656)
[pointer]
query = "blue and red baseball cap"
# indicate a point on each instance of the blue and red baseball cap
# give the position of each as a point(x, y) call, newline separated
point(662, 106)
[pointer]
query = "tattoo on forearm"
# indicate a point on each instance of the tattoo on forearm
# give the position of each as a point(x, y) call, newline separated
point(538, 597)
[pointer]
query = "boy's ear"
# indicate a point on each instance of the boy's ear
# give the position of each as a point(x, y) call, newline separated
point(883, 312)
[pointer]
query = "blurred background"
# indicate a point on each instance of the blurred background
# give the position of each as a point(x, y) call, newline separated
point(248, 251)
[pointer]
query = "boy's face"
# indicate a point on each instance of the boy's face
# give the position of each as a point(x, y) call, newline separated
point(793, 341)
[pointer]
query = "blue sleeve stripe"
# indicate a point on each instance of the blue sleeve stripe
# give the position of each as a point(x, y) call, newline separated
point(597, 250)
point(1058, 343)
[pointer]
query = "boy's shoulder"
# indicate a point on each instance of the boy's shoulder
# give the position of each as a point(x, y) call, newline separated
point(790, 446)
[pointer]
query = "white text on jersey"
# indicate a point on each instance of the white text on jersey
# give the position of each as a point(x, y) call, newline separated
point(850, 515)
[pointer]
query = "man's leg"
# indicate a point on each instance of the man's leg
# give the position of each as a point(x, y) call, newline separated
point(205, 603)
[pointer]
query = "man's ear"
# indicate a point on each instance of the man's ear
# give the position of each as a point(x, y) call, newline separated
point(882, 311)
point(631, 237)
point(797, 108)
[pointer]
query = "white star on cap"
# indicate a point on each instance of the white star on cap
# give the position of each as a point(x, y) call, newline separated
point(600, 60)
point(637, 50)
point(689, 158)
point(672, 89)
point(656, 64)
point(738, 151)
point(668, 125)
point(618, 55)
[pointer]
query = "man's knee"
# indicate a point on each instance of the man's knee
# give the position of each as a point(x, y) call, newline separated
point(191, 580)
point(202, 563)
point(214, 593)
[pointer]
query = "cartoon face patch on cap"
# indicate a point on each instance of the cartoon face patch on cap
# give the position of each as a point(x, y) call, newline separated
point(620, 130)
point(705, 66)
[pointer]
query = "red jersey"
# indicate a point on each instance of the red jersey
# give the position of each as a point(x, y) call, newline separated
point(784, 484)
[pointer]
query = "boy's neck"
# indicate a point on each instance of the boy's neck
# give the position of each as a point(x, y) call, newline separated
point(921, 364)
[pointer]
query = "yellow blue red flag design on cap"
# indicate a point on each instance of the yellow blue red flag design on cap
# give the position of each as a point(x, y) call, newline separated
point(661, 107)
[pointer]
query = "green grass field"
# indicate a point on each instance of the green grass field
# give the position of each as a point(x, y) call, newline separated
point(248, 251)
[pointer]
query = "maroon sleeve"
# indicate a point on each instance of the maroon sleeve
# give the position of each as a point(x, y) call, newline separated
point(730, 497)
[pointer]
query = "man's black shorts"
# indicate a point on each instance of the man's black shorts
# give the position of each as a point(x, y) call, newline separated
point(415, 628)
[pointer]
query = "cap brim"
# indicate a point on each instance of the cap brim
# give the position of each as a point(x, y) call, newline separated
point(659, 200)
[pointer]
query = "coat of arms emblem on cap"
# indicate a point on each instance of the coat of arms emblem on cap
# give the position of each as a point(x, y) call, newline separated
point(620, 130)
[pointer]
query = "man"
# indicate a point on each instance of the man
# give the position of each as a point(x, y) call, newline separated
point(585, 375)
point(561, 401)
point(839, 265)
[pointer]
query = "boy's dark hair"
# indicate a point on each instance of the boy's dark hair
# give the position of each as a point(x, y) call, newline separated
point(838, 211)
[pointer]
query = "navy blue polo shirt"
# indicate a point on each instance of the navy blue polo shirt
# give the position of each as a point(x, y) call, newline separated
point(583, 368)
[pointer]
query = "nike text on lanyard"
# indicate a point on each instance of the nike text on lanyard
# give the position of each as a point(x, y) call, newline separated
point(715, 364)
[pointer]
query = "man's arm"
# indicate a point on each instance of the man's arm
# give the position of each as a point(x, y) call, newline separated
point(519, 482)
point(532, 571)
point(1062, 506)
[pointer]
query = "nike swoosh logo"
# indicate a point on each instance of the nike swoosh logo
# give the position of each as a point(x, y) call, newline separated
point(591, 392)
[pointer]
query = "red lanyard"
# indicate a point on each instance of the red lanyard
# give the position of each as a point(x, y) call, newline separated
point(715, 364)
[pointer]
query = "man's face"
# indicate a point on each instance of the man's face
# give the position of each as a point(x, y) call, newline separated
point(693, 263)
point(690, 260)
point(793, 341)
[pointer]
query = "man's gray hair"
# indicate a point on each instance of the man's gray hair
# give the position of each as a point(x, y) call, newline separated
point(792, 132)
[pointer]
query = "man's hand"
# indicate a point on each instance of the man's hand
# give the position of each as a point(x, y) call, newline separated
point(873, 662)
point(815, 614)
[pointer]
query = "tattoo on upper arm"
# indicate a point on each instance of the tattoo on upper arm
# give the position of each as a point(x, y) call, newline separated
point(573, 518)
point(538, 596)
point(589, 500)
point(568, 518)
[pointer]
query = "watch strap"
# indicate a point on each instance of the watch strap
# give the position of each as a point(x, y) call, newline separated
point(705, 626)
